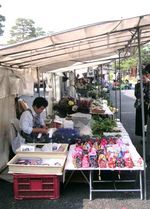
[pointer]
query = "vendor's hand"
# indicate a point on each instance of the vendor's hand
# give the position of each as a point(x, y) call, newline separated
point(44, 130)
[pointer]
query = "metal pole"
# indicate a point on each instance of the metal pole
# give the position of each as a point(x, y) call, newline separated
point(115, 87)
point(90, 186)
point(141, 185)
point(54, 79)
point(119, 87)
point(109, 78)
point(101, 79)
point(143, 116)
point(38, 81)
point(43, 83)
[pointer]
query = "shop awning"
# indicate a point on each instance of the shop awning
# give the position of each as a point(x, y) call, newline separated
point(80, 45)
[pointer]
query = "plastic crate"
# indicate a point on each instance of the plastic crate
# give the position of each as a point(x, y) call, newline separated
point(29, 186)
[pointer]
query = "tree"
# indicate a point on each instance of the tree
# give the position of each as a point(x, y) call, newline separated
point(2, 19)
point(129, 66)
point(24, 30)
point(145, 54)
point(132, 61)
point(127, 63)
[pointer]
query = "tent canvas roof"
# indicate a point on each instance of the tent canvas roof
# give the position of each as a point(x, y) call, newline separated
point(80, 45)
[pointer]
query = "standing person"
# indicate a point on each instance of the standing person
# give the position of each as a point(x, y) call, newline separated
point(31, 123)
point(147, 68)
point(138, 113)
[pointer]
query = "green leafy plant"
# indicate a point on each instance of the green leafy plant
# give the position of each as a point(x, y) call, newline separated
point(100, 125)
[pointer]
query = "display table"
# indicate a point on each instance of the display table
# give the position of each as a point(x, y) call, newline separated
point(69, 166)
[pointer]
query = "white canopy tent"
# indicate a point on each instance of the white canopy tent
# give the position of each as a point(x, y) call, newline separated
point(80, 46)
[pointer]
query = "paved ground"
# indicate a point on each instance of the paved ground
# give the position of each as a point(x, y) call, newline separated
point(76, 195)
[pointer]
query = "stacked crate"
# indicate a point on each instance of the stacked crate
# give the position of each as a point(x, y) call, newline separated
point(29, 186)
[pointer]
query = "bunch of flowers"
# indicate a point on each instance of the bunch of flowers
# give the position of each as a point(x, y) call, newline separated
point(67, 105)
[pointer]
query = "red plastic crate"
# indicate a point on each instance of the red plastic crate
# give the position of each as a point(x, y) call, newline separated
point(30, 186)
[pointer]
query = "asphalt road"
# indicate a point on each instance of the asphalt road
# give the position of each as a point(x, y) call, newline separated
point(76, 195)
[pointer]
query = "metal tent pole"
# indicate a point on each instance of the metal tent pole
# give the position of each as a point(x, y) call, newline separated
point(38, 81)
point(143, 116)
point(101, 78)
point(119, 87)
point(43, 83)
point(116, 105)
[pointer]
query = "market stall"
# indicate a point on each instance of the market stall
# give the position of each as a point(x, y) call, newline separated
point(112, 150)
point(86, 46)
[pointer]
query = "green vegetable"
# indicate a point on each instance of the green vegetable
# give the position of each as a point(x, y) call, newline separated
point(100, 125)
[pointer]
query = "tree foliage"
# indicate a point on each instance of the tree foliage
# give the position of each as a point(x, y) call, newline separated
point(145, 54)
point(132, 61)
point(2, 19)
point(24, 30)
point(128, 63)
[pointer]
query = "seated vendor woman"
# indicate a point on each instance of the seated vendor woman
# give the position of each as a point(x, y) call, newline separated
point(31, 123)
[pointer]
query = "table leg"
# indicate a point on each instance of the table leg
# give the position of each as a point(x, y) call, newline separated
point(64, 176)
point(141, 185)
point(67, 181)
point(90, 185)
point(86, 179)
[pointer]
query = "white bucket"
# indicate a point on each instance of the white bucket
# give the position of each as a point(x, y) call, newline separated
point(68, 124)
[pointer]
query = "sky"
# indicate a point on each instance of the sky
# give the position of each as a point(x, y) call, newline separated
point(60, 15)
